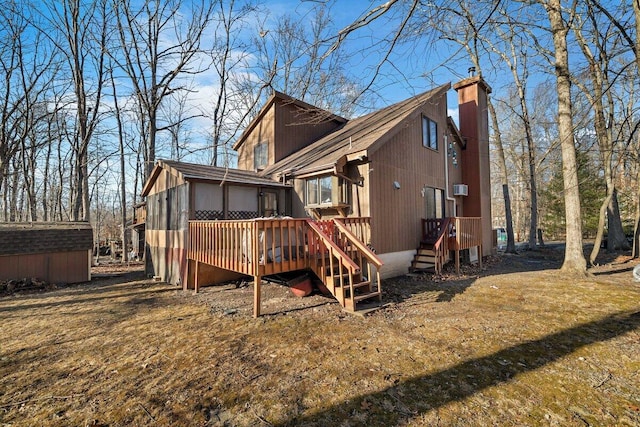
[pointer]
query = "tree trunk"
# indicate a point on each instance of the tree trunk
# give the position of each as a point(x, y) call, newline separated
point(574, 261)
point(600, 233)
point(616, 239)
point(511, 245)
point(636, 227)
point(123, 188)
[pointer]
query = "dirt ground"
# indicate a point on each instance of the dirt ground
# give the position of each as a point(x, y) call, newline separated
point(514, 343)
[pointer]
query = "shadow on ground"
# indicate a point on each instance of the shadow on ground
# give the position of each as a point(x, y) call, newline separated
point(417, 396)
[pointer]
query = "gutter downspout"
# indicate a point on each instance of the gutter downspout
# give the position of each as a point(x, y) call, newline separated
point(446, 175)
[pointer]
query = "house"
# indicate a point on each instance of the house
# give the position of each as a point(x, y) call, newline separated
point(400, 187)
point(54, 252)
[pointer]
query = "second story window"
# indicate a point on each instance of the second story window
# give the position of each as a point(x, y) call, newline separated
point(429, 133)
point(260, 155)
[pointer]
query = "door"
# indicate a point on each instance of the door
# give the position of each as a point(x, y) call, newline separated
point(269, 203)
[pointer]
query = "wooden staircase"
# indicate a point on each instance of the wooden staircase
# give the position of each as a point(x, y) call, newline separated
point(433, 252)
point(425, 258)
point(339, 261)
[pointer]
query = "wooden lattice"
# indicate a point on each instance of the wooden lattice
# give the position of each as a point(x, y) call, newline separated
point(242, 214)
point(209, 215)
point(213, 215)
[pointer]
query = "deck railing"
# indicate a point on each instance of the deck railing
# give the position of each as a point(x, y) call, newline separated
point(432, 228)
point(140, 214)
point(264, 247)
point(467, 233)
point(441, 245)
point(360, 227)
point(330, 263)
point(252, 247)
point(355, 247)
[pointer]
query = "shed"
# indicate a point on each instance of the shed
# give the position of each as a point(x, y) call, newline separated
point(56, 252)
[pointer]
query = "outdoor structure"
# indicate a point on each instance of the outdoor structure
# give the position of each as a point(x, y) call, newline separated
point(55, 252)
point(401, 187)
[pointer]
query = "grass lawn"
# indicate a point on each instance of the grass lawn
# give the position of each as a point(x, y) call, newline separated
point(517, 343)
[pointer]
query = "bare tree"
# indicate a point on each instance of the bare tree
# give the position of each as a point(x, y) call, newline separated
point(234, 100)
point(299, 58)
point(79, 32)
point(515, 57)
point(468, 32)
point(574, 261)
point(599, 94)
point(159, 45)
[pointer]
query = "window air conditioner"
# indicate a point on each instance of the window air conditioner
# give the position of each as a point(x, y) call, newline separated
point(460, 190)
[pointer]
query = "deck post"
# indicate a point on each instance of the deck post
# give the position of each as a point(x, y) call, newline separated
point(480, 255)
point(457, 261)
point(196, 282)
point(256, 295)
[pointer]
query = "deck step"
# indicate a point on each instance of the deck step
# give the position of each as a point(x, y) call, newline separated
point(423, 265)
point(424, 258)
point(351, 304)
point(366, 296)
point(361, 284)
point(427, 252)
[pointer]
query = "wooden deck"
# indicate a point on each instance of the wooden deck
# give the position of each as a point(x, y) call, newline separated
point(334, 250)
point(445, 235)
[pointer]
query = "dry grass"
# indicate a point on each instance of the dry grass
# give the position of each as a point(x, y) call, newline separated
point(498, 347)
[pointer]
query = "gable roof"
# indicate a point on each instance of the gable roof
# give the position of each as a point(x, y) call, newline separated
point(196, 172)
point(359, 135)
point(327, 115)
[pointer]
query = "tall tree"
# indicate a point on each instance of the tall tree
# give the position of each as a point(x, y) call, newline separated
point(159, 46)
point(231, 54)
point(574, 261)
point(599, 93)
point(469, 32)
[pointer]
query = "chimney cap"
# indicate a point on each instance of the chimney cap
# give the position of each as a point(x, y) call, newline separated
point(471, 81)
point(472, 71)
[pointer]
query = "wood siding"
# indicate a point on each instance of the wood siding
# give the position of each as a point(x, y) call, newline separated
point(166, 232)
point(296, 127)
point(54, 267)
point(396, 214)
point(293, 126)
point(165, 181)
point(262, 132)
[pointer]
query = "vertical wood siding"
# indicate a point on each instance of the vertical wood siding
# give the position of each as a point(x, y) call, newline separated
point(262, 132)
point(55, 267)
point(296, 128)
point(166, 231)
point(396, 214)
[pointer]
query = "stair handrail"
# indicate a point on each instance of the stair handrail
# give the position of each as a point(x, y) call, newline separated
point(338, 253)
point(441, 246)
point(362, 247)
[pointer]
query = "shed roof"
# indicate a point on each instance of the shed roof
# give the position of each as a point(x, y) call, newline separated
point(41, 237)
point(357, 136)
point(196, 172)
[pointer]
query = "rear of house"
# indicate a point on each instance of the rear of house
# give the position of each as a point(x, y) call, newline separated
point(389, 182)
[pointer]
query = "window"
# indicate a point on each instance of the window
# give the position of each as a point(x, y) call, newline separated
point(327, 190)
point(429, 133)
point(260, 155)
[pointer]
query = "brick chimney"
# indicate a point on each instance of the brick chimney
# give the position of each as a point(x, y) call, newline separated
point(474, 127)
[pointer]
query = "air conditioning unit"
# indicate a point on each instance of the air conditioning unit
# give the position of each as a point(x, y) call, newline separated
point(460, 190)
